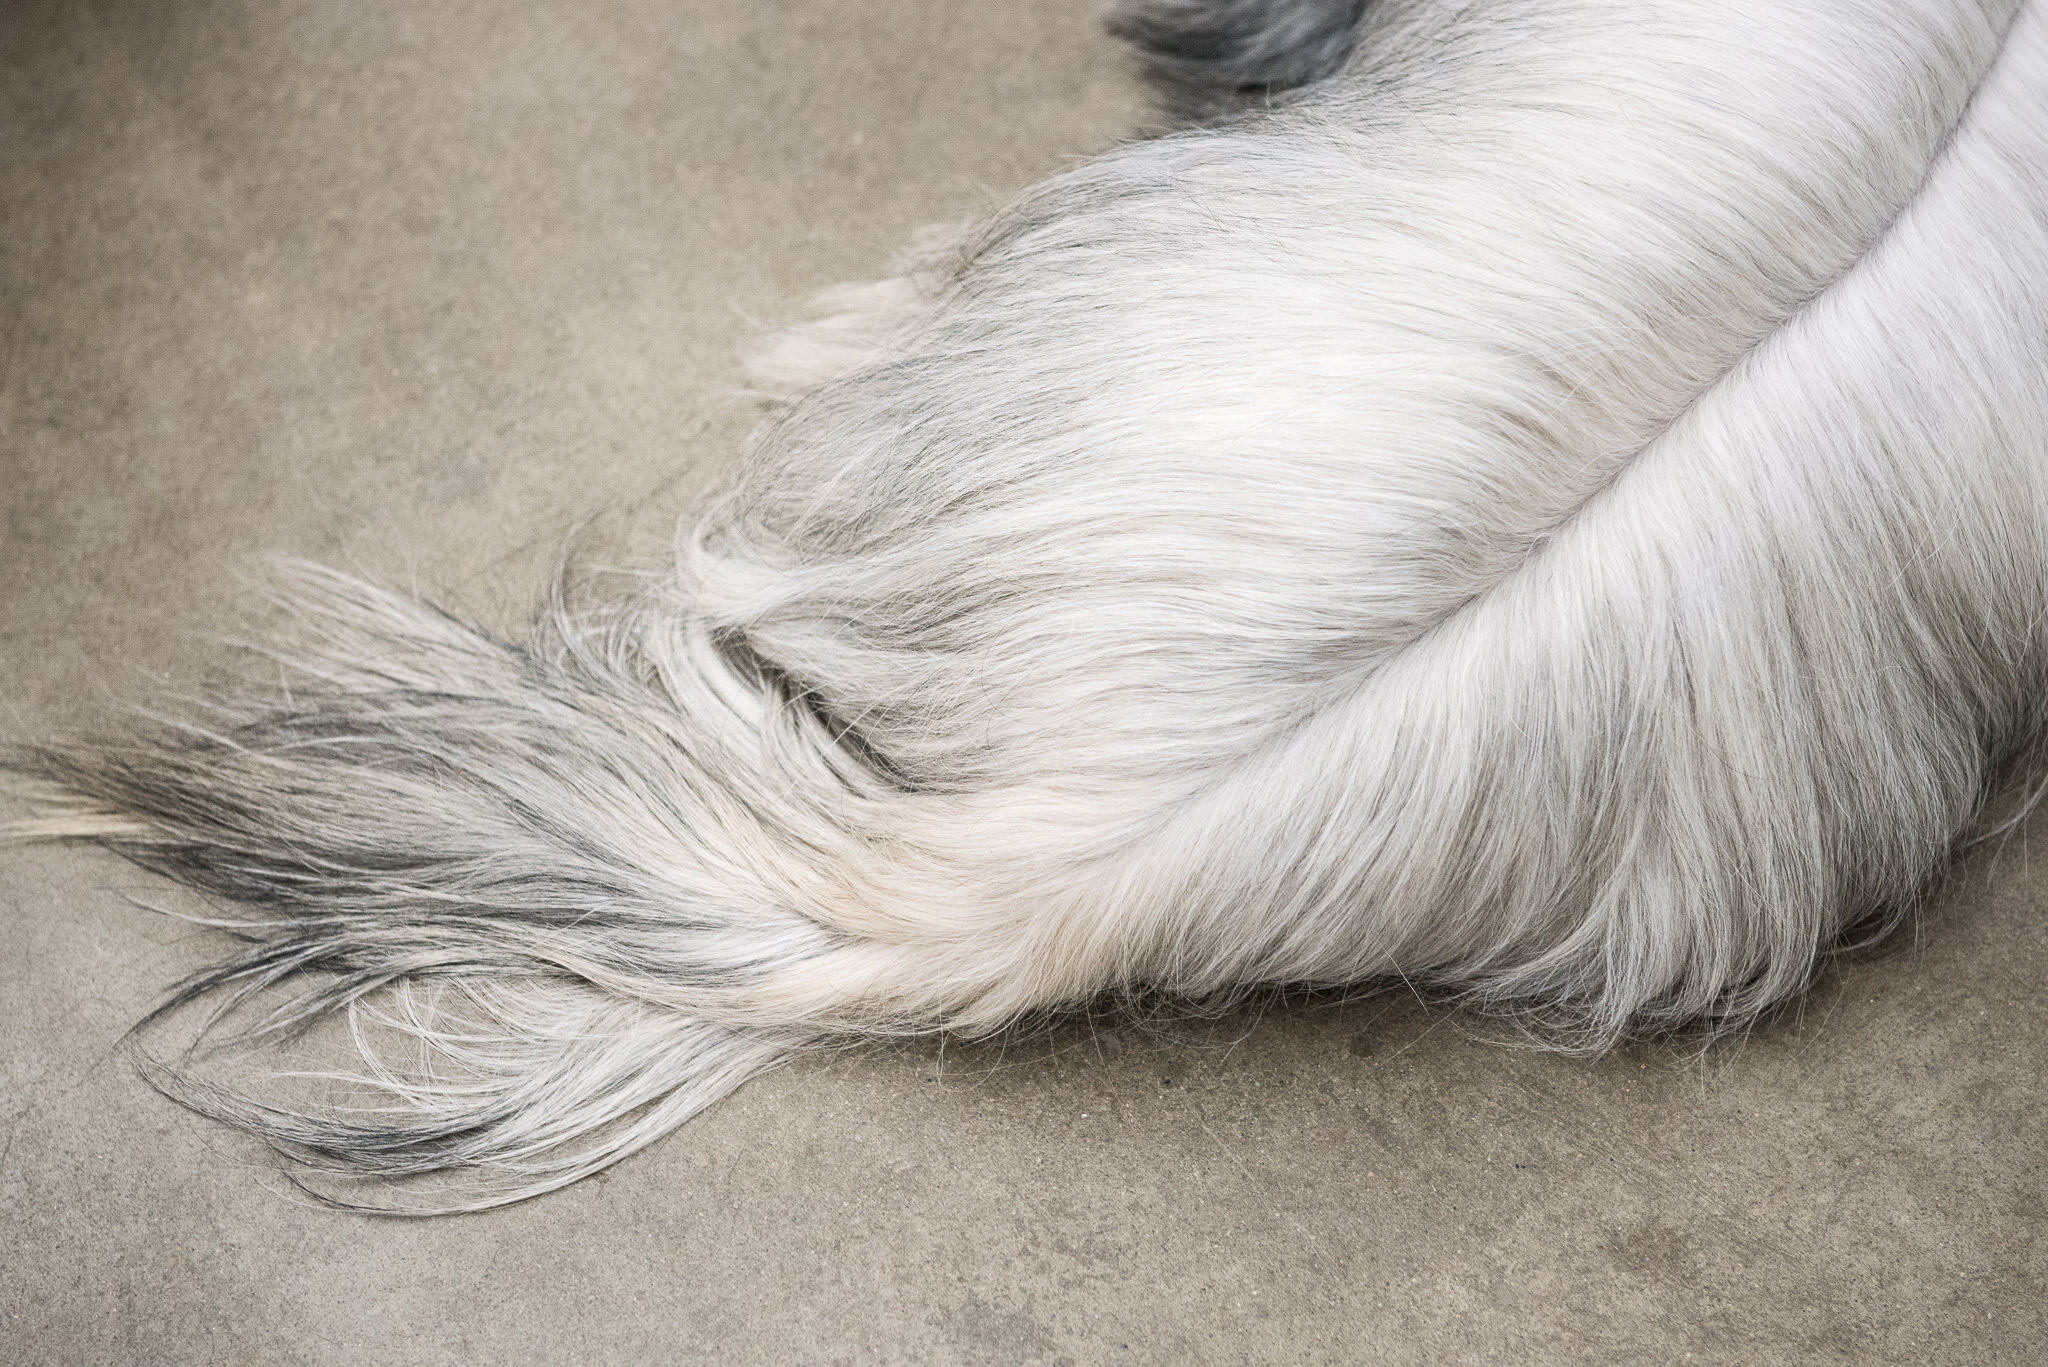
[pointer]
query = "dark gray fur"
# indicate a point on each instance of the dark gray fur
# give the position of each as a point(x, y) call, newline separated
point(1214, 56)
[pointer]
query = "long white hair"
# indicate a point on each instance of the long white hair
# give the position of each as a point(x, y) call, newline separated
point(1553, 506)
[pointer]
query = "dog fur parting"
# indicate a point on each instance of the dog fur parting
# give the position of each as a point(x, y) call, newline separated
point(1556, 511)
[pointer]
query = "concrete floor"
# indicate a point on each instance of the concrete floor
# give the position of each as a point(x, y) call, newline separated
point(421, 289)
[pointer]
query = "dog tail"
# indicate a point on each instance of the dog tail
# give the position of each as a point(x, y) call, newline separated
point(555, 875)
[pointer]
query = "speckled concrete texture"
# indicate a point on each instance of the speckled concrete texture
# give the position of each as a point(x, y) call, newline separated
point(424, 289)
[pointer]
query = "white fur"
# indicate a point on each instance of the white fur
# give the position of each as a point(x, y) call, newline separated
point(1558, 512)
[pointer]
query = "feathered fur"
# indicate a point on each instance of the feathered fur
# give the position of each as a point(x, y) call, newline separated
point(1558, 511)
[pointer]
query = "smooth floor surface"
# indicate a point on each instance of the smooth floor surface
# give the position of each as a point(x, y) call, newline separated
point(439, 291)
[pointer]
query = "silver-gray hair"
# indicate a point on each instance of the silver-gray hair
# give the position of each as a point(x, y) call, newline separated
point(1556, 510)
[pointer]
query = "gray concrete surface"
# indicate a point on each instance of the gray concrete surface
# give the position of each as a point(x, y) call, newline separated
point(420, 288)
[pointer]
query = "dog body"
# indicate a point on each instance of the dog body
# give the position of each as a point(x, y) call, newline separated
point(1556, 509)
